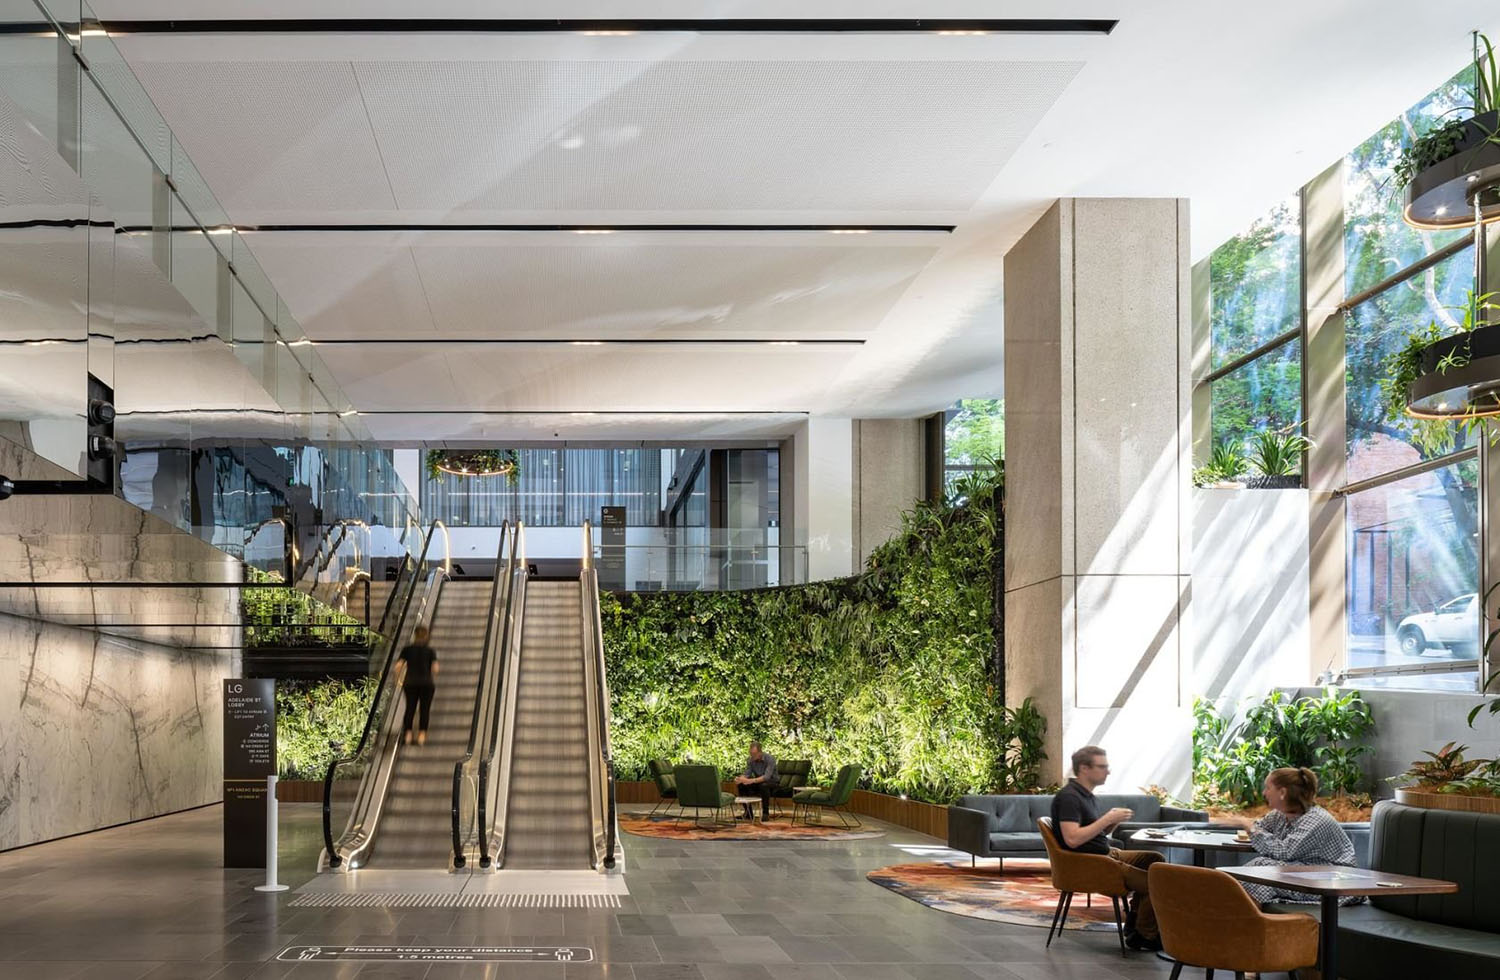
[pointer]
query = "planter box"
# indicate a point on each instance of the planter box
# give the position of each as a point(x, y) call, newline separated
point(1448, 801)
point(925, 818)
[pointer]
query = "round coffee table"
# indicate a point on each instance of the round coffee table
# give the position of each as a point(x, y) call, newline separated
point(749, 803)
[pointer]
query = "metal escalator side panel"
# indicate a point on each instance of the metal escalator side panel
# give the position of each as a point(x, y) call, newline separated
point(499, 765)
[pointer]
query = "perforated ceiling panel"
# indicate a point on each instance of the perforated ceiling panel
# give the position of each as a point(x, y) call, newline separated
point(562, 378)
point(602, 135)
point(743, 135)
point(571, 286)
point(289, 137)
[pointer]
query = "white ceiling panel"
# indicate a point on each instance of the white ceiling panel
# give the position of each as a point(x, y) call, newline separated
point(612, 429)
point(693, 135)
point(289, 135)
point(343, 287)
point(563, 378)
point(567, 286)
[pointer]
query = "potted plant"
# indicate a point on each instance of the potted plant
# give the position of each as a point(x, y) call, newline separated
point(1445, 172)
point(1277, 458)
point(1225, 465)
point(1445, 780)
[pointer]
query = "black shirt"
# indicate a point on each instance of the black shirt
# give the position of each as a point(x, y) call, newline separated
point(419, 659)
point(1077, 805)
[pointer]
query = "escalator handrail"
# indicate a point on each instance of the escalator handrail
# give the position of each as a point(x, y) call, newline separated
point(483, 696)
point(593, 636)
point(515, 613)
point(402, 572)
point(391, 645)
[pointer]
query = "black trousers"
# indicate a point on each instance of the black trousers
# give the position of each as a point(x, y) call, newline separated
point(762, 790)
point(418, 694)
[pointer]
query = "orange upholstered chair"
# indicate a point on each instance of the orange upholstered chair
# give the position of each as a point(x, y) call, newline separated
point(1207, 920)
point(1092, 874)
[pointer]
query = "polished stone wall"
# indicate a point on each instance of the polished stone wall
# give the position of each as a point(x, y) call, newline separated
point(98, 730)
point(889, 479)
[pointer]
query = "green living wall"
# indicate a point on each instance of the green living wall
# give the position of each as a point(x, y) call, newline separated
point(890, 669)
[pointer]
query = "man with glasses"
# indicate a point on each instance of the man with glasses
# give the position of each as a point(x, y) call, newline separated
point(1080, 827)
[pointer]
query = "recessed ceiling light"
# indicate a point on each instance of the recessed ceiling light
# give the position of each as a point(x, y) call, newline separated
point(1441, 209)
point(587, 343)
point(352, 411)
point(849, 231)
point(607, 33)
point(593, 231)
point(583, 415)
point(222, 230)
point(961, 33)
point(784, 343)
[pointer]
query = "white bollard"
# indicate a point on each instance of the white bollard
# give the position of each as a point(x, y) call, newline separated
point(271, 885)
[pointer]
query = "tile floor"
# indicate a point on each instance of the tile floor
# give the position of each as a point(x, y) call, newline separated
point(150, 901)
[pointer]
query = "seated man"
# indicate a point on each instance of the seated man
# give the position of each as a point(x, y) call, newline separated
point(758, 779)
point(1075, 815)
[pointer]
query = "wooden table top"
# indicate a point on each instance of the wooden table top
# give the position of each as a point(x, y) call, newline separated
point(1332, 879)
point(1203, 840)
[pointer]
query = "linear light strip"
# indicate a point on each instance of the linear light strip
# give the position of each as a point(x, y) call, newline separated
point(582, 229)
point(610, 27)
point(591, 341)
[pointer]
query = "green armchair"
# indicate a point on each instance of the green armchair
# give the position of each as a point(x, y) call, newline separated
point(835, 798)
point(792, 775)
point(698, 790)
point(666, 784)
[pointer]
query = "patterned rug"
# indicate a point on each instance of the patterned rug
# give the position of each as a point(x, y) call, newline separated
point(778, 828)
point(1023, 896)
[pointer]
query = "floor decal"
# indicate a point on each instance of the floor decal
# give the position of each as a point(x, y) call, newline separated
point(439, 954)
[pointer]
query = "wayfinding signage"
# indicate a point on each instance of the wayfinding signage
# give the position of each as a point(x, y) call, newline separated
point(442, 954)
point(249, 757)
point(611, 548)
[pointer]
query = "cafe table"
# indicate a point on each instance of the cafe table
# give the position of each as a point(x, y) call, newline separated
point(1200, 842)
point(1331, 882)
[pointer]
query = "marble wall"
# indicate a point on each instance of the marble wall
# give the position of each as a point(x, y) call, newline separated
point(97, 730)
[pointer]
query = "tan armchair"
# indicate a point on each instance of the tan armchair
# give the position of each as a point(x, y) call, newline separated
point(1092, 874)
point(1207, 920)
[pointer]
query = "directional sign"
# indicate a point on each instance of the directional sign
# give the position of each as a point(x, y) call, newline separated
point(249, 757)
point(441, 954)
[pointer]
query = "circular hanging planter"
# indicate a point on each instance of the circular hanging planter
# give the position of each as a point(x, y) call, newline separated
point(474, 462)
point(1443, 195)
point(1470, 390)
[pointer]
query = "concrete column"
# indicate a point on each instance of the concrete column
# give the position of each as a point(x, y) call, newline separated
point(889, 478)
point(1098, 536)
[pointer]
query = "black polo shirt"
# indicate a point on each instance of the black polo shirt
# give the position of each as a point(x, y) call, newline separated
point(1076, 804)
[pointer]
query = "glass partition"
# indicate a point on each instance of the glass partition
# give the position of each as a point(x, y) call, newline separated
point(1264, 394)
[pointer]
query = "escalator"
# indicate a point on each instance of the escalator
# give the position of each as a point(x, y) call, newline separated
point(399, 818)
point(414, 826)
point(551, 794)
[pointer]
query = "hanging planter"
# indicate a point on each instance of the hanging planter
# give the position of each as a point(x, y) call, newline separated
point(474, 462)
point(1451, 176)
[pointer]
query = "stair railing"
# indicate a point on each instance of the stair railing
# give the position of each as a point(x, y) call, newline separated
point(466, 770)
point(601, 759)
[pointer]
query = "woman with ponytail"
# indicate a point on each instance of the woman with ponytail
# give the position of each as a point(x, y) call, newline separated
point(1296, 831)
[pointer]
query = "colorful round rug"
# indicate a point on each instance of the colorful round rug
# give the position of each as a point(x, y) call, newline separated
point(1022, 896)
point(775, 829)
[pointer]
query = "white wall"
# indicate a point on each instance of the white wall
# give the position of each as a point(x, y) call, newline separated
point(824, 495)
point(1250, 592)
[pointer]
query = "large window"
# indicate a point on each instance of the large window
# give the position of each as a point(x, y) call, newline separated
point(973, 438)
point(1373, 331)
point(1412, 573)
point(1255, 288)
point(1377, 243)
point(556, 488)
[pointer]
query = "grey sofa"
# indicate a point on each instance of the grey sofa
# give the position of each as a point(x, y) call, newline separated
point(1005, 826)
point(1443, 936)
